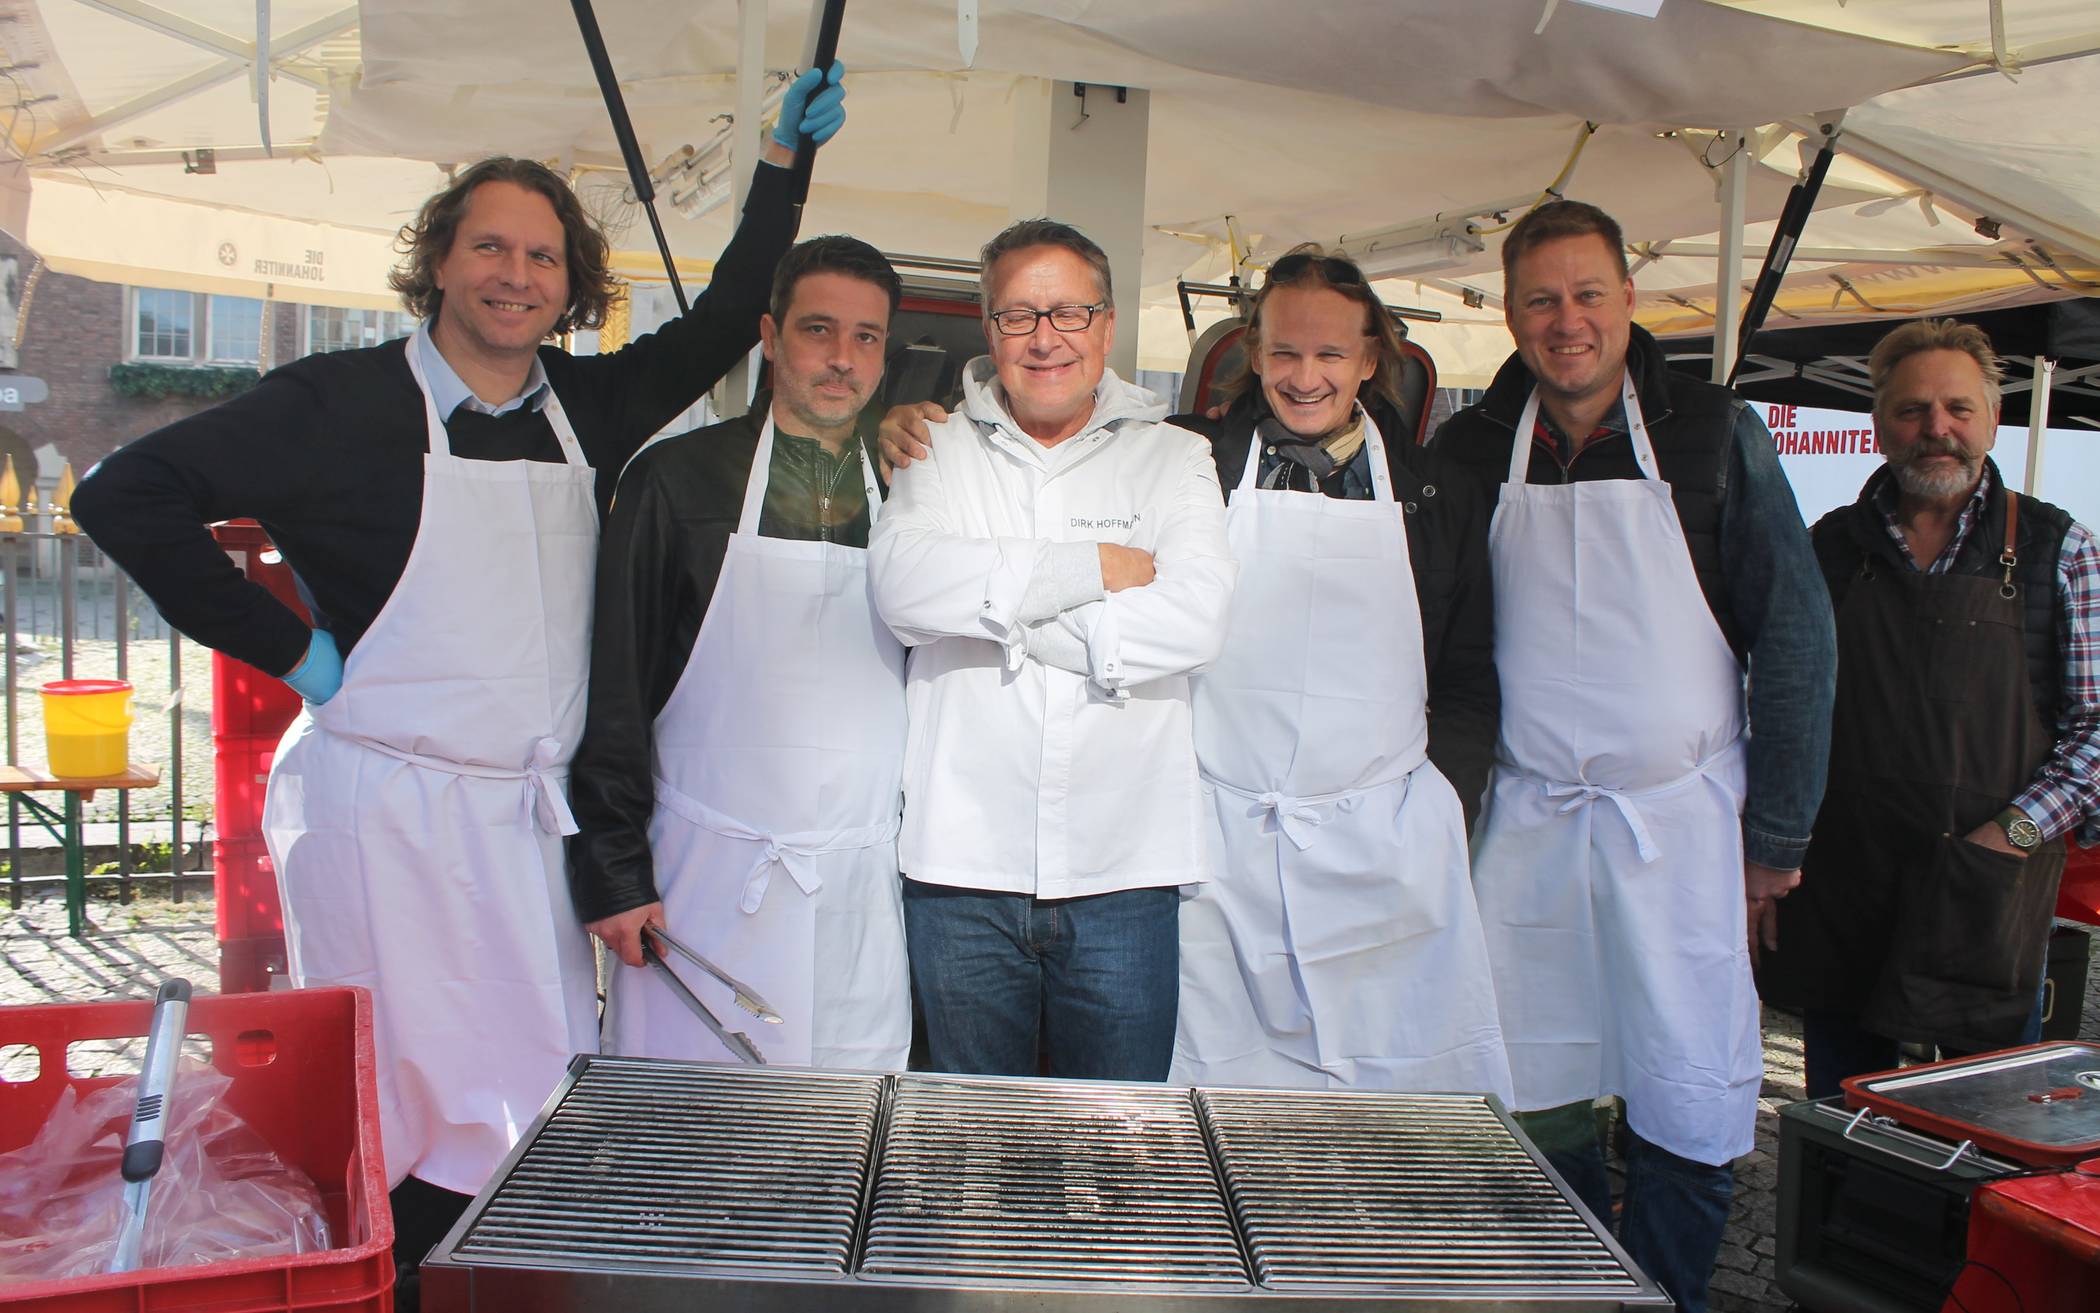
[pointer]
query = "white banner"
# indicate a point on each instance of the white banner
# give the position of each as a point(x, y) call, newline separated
point(121, 236)
point(1828, 455)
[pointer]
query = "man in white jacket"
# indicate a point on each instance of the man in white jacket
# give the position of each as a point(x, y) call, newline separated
point(1058, 566)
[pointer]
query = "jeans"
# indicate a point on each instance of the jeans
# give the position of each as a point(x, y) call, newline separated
point(1834, 1045)
point(1674, 1209)
point(1005, 979)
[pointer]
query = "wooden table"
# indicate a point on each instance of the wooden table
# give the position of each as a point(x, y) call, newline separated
point(63, 822)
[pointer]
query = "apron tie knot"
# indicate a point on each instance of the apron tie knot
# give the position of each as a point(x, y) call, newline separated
point(1296, 817)
point(545, 803)
point(1581, 795)
point(791, 858)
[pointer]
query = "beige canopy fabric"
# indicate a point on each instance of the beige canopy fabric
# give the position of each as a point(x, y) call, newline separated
point(1270, 124)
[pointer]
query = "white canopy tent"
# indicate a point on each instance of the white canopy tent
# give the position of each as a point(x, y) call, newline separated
point(1269, 124)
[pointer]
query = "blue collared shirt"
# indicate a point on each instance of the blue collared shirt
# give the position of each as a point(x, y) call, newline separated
point(450, 392)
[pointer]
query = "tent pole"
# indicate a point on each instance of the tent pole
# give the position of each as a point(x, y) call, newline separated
point(1792, 220)
point(2038, 421)
point(821, 48)
point(1728, 271)
point(732, 396)
point(623, 131)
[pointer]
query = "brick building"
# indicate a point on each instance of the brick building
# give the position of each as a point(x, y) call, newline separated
point(73, 331)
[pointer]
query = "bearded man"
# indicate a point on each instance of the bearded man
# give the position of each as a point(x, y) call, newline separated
point(1965, 741)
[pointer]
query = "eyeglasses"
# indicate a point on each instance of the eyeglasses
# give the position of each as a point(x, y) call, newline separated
point(1336, 270)
point(1063, 318)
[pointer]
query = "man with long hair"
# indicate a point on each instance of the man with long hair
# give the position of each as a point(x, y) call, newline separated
point(439, 500)
point(1346, 729)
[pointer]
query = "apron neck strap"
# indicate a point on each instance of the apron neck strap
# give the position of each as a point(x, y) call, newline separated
point(1636, 429)
point(2010, 558)
point(441, 441)
point(1374, 448)
point(868, 481)
point(755, 483)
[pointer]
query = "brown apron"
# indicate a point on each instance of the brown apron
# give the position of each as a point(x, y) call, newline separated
point(1899, 920)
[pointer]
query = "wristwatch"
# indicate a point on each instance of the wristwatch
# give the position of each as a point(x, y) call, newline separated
point(2019, 831)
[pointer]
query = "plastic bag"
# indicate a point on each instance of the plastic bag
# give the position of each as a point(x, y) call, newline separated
point(220, 1193)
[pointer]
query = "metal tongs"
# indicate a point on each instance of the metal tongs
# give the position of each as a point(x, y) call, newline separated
point(747, 998)
point(145, 1143)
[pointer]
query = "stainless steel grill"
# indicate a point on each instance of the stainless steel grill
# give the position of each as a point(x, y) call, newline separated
point(1391, 1192)
point(658, 1185)
point(1039, 1182)
point(708, 1168)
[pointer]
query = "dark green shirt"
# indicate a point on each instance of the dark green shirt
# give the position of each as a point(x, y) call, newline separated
point(814, 496)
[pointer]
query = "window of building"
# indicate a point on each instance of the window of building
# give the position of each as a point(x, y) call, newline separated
point(162, 322)
point(236, 330)
point(333, 328)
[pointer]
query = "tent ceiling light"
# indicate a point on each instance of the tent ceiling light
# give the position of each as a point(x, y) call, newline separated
point(1387, 256)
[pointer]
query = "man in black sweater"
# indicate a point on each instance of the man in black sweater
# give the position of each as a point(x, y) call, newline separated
point(439, 501)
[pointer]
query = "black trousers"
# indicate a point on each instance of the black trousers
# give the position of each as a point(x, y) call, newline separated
point(423, 1213)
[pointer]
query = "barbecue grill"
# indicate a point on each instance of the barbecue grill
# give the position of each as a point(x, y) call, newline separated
point(650, 1185)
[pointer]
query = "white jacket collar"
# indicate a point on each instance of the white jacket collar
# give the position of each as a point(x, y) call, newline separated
point(1115, 401)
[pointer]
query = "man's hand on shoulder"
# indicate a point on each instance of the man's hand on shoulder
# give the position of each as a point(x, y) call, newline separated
point(623, 933)
point(1125, 567)
point(901, 438)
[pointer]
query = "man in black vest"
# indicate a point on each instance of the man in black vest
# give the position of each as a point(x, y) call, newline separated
point(1966, 735)
point(1647, 553)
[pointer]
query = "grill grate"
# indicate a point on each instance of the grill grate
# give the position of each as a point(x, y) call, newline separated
point(1396, 1193)
point(1007, 1181)
point(693, 1167)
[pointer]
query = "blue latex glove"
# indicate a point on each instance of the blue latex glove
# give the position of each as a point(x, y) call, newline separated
point(814, 107)
point(318, 676)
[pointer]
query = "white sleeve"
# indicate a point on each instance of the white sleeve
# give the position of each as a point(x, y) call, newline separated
point(931, 582)
point(1174, 625)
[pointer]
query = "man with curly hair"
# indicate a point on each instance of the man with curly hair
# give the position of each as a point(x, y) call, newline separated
point(439, 499)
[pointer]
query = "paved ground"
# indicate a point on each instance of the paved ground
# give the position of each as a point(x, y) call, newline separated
point(135, 947)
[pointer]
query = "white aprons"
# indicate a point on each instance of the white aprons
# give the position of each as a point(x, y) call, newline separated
point(777, 765)
point(416, 817)
point(1337, 943)
point(1609, 863)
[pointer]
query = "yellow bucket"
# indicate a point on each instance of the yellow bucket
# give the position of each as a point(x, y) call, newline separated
point(87, 727)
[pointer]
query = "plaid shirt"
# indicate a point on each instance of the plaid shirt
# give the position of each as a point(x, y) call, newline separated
point(2065, 793)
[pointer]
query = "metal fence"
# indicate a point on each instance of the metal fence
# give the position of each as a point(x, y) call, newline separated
point(67, 613)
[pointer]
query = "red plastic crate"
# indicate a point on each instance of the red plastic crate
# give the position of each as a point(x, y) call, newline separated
point(245, 885)
point(256, 558)
point(251, 965)
point(301, 1063)
point(247, 703)
point(240, 781)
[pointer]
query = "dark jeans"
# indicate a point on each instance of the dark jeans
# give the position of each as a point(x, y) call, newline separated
point(1674, 1209)
point(1834, 1045)
point(1091, 982)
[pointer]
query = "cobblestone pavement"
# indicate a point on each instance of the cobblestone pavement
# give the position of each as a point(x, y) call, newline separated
point(134, 948)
